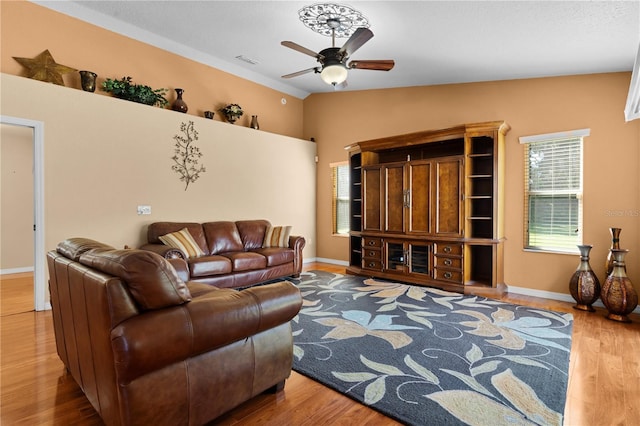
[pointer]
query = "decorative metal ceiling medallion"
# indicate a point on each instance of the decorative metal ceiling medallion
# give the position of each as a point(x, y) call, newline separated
point(325, 18)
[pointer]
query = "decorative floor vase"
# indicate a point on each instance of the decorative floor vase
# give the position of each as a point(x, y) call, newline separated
point(615, 245)
point(584, 285)
point(618, 294)
point(179, 104)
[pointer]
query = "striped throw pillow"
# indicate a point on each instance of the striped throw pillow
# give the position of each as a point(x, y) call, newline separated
point(183, 240)
point(276, 236)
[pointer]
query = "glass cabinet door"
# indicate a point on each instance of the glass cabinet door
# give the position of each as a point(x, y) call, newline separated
point(420, 258)
point(395, 256)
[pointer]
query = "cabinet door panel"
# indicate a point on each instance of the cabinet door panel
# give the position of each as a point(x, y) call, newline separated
point(395, 198)
point(372, 198)
point(419, 175)
point(448, 218)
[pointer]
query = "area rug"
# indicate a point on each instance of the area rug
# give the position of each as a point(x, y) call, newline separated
point(429, 357)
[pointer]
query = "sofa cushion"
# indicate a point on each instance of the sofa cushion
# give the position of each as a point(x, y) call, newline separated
point(246, 261)
point(276, 236)
point(158, 229)
point(252, 232)
point(277, 255)
point(222, 237)
point(153, 282)
point(182, 240)
point(210, 265)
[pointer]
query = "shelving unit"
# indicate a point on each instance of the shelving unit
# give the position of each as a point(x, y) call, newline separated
point(427, 207)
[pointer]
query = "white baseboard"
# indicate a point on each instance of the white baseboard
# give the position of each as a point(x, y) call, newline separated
point(553, 296)
point(326, 260)
point(16, 270)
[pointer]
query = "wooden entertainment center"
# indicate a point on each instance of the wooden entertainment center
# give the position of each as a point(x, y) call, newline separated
point(427, 207)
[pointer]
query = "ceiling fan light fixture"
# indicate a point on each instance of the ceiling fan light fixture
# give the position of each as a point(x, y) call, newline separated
point(334, 74)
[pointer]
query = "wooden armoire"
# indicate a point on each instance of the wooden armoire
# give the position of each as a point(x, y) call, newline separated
point(428, 207)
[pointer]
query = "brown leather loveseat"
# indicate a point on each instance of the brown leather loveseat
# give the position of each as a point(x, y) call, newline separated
point(231, 254)
point(149, 349)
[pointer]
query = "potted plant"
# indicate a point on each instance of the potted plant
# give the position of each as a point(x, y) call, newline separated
point(232, 112)
point(127, 90)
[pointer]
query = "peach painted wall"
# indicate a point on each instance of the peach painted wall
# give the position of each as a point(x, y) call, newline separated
point(535, 106)
point(28, 29)
point(16, 198)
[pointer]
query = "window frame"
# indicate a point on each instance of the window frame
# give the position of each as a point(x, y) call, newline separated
point(567, 194)
point(337, 200)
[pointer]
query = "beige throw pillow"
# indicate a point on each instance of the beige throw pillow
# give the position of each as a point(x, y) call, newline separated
point(276, 236)
point(183, 240)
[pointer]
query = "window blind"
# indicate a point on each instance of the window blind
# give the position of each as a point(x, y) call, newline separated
point(553, 194)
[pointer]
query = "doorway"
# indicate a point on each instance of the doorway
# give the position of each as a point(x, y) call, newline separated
point(17, 126)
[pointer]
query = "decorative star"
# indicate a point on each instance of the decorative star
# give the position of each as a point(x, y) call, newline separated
point(44, 68)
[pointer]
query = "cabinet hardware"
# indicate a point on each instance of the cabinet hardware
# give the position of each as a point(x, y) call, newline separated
point(448, 275)
point(372, 253)
point(447, 249)
point(371, 265)
point(448, 262)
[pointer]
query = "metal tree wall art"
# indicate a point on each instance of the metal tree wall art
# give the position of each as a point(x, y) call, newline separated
point(186, 155)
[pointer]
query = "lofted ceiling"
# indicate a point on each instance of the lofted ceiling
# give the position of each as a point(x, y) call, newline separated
point(432, 42)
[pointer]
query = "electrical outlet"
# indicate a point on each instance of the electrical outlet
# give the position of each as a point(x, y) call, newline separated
point(144, 210)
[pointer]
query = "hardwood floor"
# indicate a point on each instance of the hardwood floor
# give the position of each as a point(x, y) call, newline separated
point(604, 380)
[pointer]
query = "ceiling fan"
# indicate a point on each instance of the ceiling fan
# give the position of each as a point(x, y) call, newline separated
point(333, 67)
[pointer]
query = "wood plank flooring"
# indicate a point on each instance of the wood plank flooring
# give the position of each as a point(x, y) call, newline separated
point(604, 381)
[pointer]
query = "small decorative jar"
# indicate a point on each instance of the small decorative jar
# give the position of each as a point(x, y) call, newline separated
point(88, 81)
point(584, 285)
point(254, 122)
point(209, 114)
point(232, 112)
point(618, 294)
point(179, 105)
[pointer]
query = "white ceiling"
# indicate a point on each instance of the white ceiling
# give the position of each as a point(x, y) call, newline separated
point(432, 42)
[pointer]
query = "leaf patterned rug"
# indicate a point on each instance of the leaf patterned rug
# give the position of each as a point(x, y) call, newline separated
point(429, 357)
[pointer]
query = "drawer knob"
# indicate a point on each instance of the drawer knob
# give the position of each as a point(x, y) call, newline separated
point(447, 249)
point(448, 275)
point(371, 265)
point(372, 243)
point(372, 253)
point(448, 262)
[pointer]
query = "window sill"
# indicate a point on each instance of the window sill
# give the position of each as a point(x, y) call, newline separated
point(549, 251)
point(340, 235)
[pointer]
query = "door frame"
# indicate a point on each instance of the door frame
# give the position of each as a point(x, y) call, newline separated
point(39, 293)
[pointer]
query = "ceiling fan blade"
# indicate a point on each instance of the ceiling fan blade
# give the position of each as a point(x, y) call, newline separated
point(355, 42)
point(381, 65)
point(301, 49)
point(295, 74)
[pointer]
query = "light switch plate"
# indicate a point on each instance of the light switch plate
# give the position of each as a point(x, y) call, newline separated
point(144, 210)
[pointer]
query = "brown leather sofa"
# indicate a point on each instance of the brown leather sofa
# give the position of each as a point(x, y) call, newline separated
point(233, 252)
point(149, 349)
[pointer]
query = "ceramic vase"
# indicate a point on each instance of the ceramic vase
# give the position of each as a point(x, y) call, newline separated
point(88, 81)
point(254, 122)
point(615, 245)
point(584, 284)
point(618, 294)
point(179, 104)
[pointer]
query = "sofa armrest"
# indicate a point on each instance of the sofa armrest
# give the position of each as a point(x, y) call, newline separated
point(182, 268)
point(165, 251)
point(297, 243)
point(156, 339)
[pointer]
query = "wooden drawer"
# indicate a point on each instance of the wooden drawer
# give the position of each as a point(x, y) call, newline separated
point(371, 253)
point(451, 263)
point(449, 249)
point(371, 242)
point(445, 275)
point(372, 264)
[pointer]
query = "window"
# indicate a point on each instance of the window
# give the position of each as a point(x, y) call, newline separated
point(340, 204)
point(553, 191)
